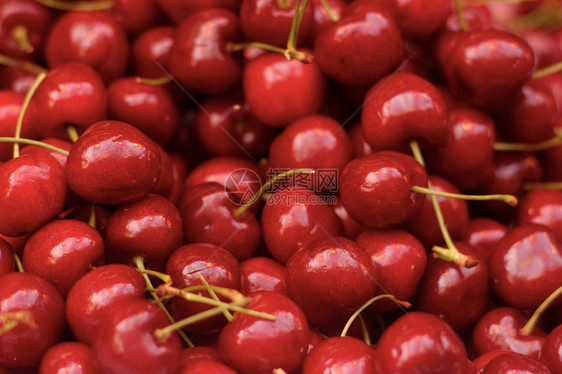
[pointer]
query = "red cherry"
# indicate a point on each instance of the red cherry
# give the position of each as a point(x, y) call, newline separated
point(94, 38)
point(417, 20)
point(7, 261)
point(508, 363)
point(403, 107)
point(201, 39)
point(133, 325)
point(500, 328)
point(62, 144)
point(419, 339)
point(251, 344)
point(178, 10)
point(150, 51)
point(150, 108)
point(482, 360)
point(204, 366)
point(113, 163)
point(341, 53)
point(71, 248)
point(150, 227)
point(543, 207)
point(71, 94)
point(186, 265)
point(16, 79)
point(360, 145)
point(179, 172)
point(399, 260)
point(208, 214)
point(71, 357)
point(351, 228)
point(10, 106)
point(279, 91)
point(24, 345)
point(324, 19)
point(526, 266)
point(96, 293)
point(547, 52)
point(482, 234)
point(341, 354)
point(475, 17)
point(32, 193)
point(136, 16)
point(376, 189)
point(329, 279)
point(269, 21)
point(83, 213)
point(262, 274)
point(551, 351)
point(293, 217)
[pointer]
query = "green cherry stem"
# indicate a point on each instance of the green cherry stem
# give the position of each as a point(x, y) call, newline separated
point(92, 219)
point(20, 35)
point(509, 199)
point(529, 147)
point(29, 94)
point(212, 293)
point(542, 185)
point(462, 21)
point(9, 139)
point(548, 70)
point(330, 10)
point(23, 65)
point(18, 262)
point(530, 325)
point(72, 133)
point(364, 329)
point(77, 5)
point(300, 9)
point(154, 81)
point(243, 208)
point(366, 305)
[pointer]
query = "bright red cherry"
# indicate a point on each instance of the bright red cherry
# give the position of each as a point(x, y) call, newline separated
point(508, 363)
point(251, 344)
point(551, 351)
point(94, 38)
point(322, 18)
point(68, 357)
point(136, 16)
point(543, 207)
point(205, 366)
point(150, 51)
point(10, 106)
point(329, 279)
point(482, 234)
point(7, 261)
point(113, 163)
point(262, 274)
point(40, 327)
point(178, 10)
point(418, 20)
point(280, 91)
point(63, 251)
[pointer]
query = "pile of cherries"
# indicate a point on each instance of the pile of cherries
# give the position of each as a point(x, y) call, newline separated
point(280, 186)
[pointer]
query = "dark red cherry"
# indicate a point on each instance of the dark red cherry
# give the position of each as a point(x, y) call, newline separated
point(351, 228)
point(269, 21)
point(165, 180)
point(192, 354)
point(104, 46)
point(482, 360)
point(329, 279)
point(487, 67)
point(401, 108)
point(10, 106)
point(541, 206)
point(424, 225)
point(315, 142)
point(136, 16)
point(547, 52)
point(508, 363)
point(482, 234)
point(15, 79)
point(209, 215)
point(341, 354)
point(419, 339)
point(42, 324)
point(475, 17)
point(279, 91)
point(206, 366)
point(113, 163)
point(83, 213)
point(226, 127)
point(341, 52)
point(468, 152)
point(63, 251)
point(551, 352)
point(500, 328)
point(179, 172)
point(359, 144)
point(526, 266)
point(62, 144)
point(322, 18)
point(376, 189)
point(150, 227)
point(178, 10)
point(186, 265)
point(253, 345)
point(139, 350)
point(7, 261)
point(399, 260)
point(201, 39)
point(293, 217)
point(457, 294)
point(150, 51)
point(25, 24)
point(417, 20)
point(262, 274)
point(32, 192)
point(70, 357)
point(150, 108)
point(96, 293)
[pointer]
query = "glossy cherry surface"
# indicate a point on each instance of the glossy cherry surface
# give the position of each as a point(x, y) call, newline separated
point(329, 279)
point(417, 20)
point(179, 10)
point(25, 344)
point(551, 351)
point(543, 207)
point(514, 363)
point(482, 234)
point(252, 345)
point(262, 274)
point(62, 251)
point(351, 228)
point(113, 163)
point(204, 366)
point(68, 357)
point(150, 51)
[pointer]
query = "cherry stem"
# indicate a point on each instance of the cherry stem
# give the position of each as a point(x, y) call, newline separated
point(20, 35)
point(18, 262)
point(92, 219)
point(509, 199)
point(545, 16)
point(462, 21)
point(24, 105)
point(528, 147)
point(77, 5)
point(552, 69)
point(452, 253)
point(139, 263)
point(9, 139)
point(367, 304)
point(243, 208)
point(13, 319)
point(279, 371)
point(295, 26)
point(530, 325)
point(154, 81)
point(212, 293)
point(455, 256)
point(72, 133)
point(364, 330)
point(490, 2)
point(283, 4)
point(303, 57)
point(24, 65)
point(542, 185)
point(330, 10)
